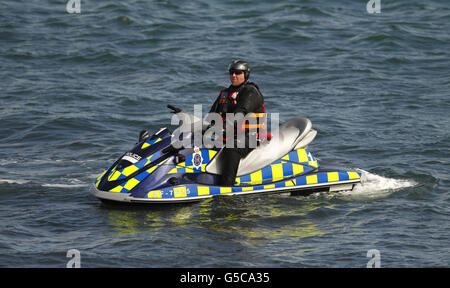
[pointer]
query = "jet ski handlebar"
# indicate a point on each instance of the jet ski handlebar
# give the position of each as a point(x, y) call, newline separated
point(175, 110)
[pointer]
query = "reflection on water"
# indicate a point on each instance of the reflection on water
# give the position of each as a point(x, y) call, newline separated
point(244, 219)
point(123, 222)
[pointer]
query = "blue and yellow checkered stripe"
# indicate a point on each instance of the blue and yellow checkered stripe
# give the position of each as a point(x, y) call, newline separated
point(302, 156)
point(186, 191)
point(277, 171)
point(124, 173)
point(294, 163)
point(148, 143)
point(133, 182)
point(97, 181)
point(188, 165)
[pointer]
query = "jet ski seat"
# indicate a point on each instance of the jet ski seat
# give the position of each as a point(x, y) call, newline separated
point(294, 134)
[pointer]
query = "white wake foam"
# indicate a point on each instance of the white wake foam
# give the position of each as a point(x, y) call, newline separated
point(65, 185)
point(376, 186)
point(71, 183)
point(10, 181)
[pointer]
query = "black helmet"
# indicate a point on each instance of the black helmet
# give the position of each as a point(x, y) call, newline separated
point(241, 66)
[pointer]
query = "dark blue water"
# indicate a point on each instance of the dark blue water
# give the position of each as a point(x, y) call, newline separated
point(76, 89)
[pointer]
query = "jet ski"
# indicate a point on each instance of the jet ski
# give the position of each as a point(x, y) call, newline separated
point(154, 171)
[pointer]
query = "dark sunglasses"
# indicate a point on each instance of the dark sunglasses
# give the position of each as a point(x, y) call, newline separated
point(237, 72)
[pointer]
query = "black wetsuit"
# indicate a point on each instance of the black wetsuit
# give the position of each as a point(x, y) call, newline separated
point(244, 99)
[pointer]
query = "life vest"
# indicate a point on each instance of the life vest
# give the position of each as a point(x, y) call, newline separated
point(229, 98)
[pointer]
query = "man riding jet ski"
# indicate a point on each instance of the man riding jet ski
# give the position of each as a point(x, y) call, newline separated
point(156, 170)
point(242, 97)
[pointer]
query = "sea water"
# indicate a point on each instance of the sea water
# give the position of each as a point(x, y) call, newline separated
point(76, 89)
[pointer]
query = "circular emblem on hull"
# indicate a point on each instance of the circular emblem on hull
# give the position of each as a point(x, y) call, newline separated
point(197, 158)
